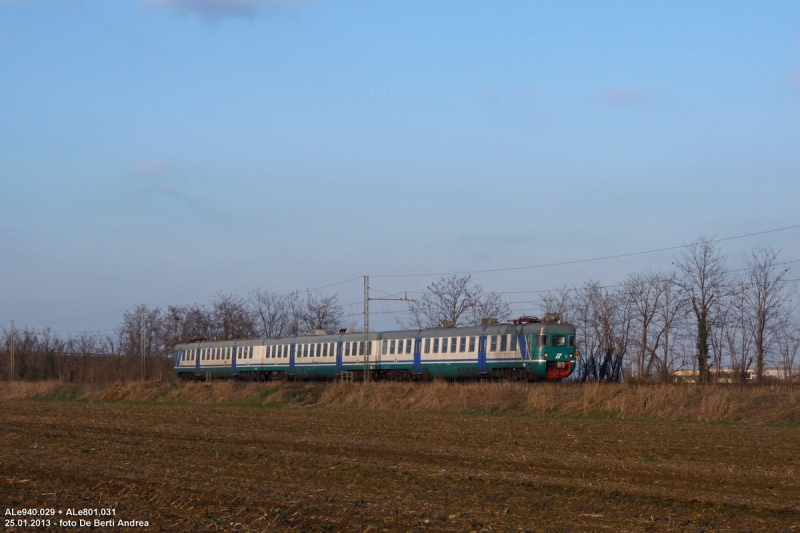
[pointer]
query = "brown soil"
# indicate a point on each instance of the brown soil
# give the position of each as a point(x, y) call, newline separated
point(244, 468)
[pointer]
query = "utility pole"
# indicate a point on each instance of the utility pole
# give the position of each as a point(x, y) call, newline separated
point(367, 298)
point(13, 334)
point(366, 329)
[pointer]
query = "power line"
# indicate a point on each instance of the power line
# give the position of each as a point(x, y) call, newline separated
point(576, 261)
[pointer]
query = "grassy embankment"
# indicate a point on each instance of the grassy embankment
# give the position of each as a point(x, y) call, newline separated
point(748, 404)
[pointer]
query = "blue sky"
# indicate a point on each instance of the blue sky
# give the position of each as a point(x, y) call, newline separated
point(162, 151)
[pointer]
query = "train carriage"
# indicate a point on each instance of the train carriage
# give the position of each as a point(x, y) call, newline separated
point(526, 348)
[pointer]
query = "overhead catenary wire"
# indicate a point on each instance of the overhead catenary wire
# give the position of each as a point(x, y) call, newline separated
point(577, 261)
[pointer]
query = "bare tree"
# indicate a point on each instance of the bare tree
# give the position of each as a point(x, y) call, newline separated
point(734, 327)
point(788, 340)
point(233, 318)
point(271, 312)
point(767, 299)
point(488, 305)
point(323, 313)
point(644, 292)
point(560, 302)
point(704, 282)
point(456, 300)
point(604, 319)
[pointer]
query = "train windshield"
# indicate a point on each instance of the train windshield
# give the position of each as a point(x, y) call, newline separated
point(559, 340)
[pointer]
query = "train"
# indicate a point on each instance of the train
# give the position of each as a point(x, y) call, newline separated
point(527, 348)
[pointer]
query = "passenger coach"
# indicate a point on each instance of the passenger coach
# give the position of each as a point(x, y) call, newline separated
point(526, 348)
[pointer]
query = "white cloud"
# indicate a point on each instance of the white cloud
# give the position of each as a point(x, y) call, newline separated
point(621, 96)
point(487, 96)
point(218, 9)
point(151, 166)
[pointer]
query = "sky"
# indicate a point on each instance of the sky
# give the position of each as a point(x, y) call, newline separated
point(162, 152)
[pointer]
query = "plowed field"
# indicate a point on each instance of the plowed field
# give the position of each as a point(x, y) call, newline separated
point(206, 468)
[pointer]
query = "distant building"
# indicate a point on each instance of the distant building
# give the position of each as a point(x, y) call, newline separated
point(726, 375)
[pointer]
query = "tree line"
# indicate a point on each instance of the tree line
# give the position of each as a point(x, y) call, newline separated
point(700, 316)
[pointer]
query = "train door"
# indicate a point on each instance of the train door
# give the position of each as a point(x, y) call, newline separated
point(291, 359)
point(523, 346)
point(339, 356)
point(417, 356)
point(233, 358)
point(197, 360)
point(178, 358)
point(482, 366)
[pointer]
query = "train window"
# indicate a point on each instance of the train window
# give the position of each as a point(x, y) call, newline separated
point(513, 343)
point(494, 343)
point(400, 344)
point(392, 344)
point(472, 344)
point(427, 346)
point(325, 350)
point(503, 343)
point(347, 349)
point(228, 353)
point(385, 347)
point(571, 341)
point(436, 345)
point(542, 340)
point(559, 340)
point(331, 351)
point(305, 350)
point(444, 345)
point(408, 346)
point(463, 345)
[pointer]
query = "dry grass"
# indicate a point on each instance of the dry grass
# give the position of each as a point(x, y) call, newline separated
point(750, 404)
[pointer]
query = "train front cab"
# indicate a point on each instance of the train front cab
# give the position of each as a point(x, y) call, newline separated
point(552, 353)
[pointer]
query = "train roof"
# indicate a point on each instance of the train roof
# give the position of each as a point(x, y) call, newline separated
point(496, 329)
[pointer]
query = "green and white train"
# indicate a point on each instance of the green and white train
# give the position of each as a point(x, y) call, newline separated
point(523, 349)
